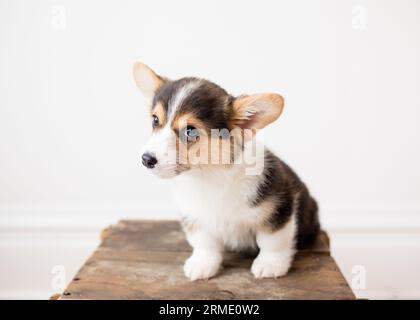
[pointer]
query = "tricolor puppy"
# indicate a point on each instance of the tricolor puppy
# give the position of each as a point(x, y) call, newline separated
point(232, 192)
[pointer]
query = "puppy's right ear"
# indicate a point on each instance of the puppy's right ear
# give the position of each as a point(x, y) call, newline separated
point(146, 79)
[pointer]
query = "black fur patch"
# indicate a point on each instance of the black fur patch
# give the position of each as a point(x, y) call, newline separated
point(208, 102)
point(279, 181)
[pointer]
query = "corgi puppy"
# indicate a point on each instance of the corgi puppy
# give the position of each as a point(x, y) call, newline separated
point(233, 193)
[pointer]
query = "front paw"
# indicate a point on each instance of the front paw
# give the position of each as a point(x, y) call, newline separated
point(202, 265)
point(271, 265)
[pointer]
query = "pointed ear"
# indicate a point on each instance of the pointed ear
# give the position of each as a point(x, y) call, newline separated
point(256, 111)
point(146, 79)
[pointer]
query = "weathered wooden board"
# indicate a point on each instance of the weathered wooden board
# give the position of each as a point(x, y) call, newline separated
point(144, 259)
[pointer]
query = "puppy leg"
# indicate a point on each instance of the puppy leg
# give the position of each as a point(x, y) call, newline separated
point(277, 250)
point(206, 257)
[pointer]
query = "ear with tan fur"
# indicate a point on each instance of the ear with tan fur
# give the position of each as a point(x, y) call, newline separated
point(256, 111)
point(146, 79)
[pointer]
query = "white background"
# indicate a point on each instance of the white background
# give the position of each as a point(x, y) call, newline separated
point(72, 121)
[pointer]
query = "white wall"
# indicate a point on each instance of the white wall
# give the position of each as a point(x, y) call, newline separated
point(72, 121)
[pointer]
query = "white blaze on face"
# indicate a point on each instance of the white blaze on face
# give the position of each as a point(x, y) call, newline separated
point(176, 101)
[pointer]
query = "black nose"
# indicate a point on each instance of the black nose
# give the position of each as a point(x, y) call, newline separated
point(148, 160)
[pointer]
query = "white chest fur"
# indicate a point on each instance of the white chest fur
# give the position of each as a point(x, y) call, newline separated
point(218, 201)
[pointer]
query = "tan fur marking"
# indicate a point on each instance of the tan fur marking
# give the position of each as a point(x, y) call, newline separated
point(189, 119)
point(267, 209)
point(224, 150)
point(160, 112)
point(192, 149)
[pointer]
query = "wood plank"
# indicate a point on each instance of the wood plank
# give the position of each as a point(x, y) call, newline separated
point(144, 259)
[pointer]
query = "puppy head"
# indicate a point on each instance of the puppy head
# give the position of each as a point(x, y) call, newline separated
point(195, 122)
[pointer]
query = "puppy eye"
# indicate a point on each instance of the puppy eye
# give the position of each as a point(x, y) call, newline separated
point(190, 133)
point(155, 121)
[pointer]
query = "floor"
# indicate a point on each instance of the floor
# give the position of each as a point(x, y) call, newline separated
point(36, 264)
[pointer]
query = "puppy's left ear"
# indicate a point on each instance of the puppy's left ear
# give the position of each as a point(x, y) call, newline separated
point(256, 111)
point(146, 79)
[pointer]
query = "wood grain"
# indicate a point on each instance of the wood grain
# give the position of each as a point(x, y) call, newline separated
point(144, 259)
